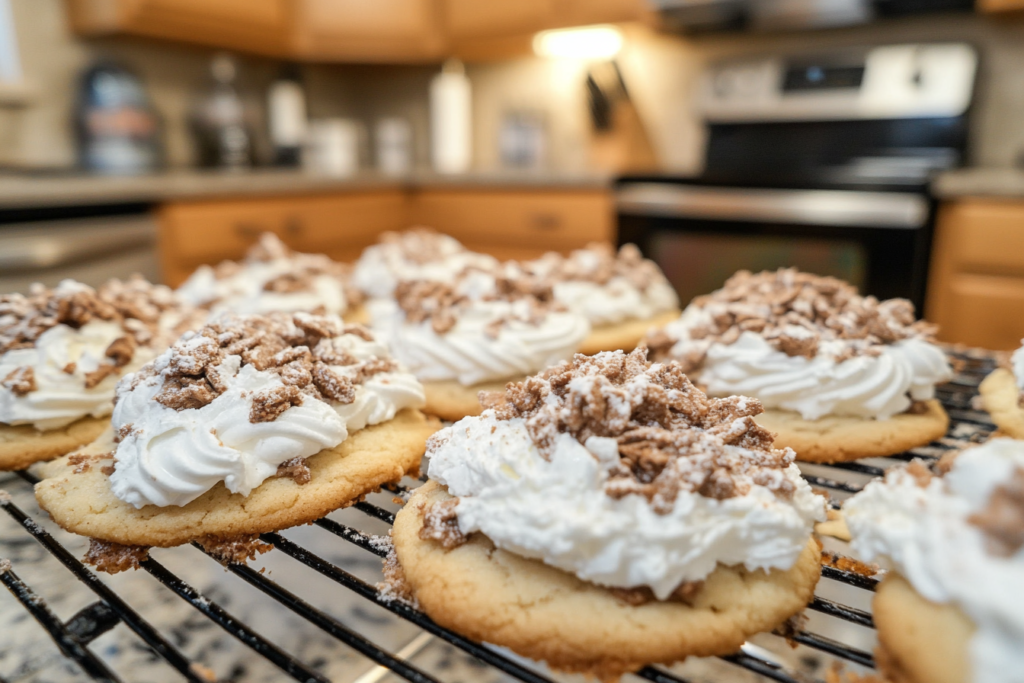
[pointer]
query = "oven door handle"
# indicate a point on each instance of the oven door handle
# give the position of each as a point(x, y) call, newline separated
point(898, 210)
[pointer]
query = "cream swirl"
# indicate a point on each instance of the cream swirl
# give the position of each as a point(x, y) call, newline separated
point(171, 455)
point(61, 396)
point(65, 340)
point(272, 278)
point(848, 356)
point(1017, 361)
point(929, 533)
point(556, 509)
point(492, 338)
point(606, 287)
point(413, 255)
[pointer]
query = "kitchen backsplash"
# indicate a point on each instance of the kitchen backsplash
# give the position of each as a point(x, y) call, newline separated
point(659, 71)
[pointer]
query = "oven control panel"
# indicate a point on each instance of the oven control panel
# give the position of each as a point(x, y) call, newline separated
point(887, 82)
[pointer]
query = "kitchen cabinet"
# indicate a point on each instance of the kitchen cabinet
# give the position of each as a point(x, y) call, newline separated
point(484, 31)
point(507, 223)
point(400, 31)
point(259, 26)
point(377, 31)
point(518, 223)
point(339, 225)
point(976, 285)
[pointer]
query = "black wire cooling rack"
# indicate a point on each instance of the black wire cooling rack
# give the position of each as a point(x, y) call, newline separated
point(74, 636)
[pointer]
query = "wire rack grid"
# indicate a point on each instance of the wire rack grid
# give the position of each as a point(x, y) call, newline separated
point(109, 610)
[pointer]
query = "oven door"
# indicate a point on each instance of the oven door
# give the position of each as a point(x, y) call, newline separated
point(700, 235)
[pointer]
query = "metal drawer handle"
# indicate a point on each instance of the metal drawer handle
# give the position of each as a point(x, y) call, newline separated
point(546, 221)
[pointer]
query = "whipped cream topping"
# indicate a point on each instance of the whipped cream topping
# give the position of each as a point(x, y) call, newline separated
point(479, 328)
point(606, 287)
point(623, 473)
point(419, 254)
point(271, 278)
point(1017, 362)
point(957, 539)
point(245, 395)
point(807, 344)
point(63, 350)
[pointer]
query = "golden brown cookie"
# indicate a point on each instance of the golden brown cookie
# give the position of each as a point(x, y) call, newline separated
point(1001, 396)
point(450, 400)
point(625, 335)
point(837, 438)
point(544, 613)
point(357, 314)
point(920, 641)
point(22, 445)
point(79, 499)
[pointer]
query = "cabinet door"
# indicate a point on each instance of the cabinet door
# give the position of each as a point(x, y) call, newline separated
point(976, 286)
point(193, 233)
point(372, 31)
point(481, 19)
point(518, 224)
point(998, 6)
point(582, 12)
point(260, 26)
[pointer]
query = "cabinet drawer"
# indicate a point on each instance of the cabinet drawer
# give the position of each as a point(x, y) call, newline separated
point(986, 236)
point(985, 311)
point(536, 220)
point(192, 233)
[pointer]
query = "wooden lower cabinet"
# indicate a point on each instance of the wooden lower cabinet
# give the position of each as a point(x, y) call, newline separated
point(976, 286)
point(519, 224)
point(506, 223)
point(339, 225)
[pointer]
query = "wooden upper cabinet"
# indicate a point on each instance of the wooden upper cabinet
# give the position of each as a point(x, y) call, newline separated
point(259, 26)
point(368, 30)
point(399, 31)
point(472, 19)
point(583, 12)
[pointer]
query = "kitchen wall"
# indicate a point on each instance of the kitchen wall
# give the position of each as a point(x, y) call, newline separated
point(660, 72)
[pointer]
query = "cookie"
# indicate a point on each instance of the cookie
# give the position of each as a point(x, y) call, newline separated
point(543, 613)
point(22, 445)
point(625, 335)
point(1001, 397)
point(920, 641)
point(77, 494)
point(452, 401)
point(838, 438)
point(357, 315)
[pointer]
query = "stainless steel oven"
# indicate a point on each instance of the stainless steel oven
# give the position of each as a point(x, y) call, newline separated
point(818, 162)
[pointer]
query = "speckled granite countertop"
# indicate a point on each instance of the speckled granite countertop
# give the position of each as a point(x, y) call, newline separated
point(32, 191)
point(1007, 183)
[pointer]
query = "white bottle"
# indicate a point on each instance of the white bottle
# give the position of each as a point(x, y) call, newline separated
point(451, 128)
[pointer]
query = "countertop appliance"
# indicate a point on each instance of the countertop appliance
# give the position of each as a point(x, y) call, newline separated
point(820, 162)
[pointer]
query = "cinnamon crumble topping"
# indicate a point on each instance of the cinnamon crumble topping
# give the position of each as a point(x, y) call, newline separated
point(113, 558)
point(21, 381)
point(670, 437)
point(442, 304)
point(441, 524)
point(296, 469)
point(83, 463)
point(795, 312)
point(599, 263)
point(1002, 521)
point(236, 550)
point(297, 347)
